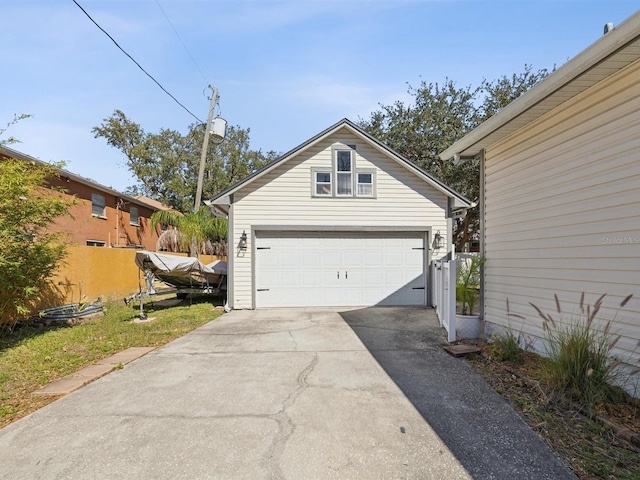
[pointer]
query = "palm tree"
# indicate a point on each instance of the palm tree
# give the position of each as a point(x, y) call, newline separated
point(194, 228)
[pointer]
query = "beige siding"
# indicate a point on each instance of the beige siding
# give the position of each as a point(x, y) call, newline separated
point(283, 197)
point(562, 210)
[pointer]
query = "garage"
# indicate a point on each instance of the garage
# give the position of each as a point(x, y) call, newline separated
point(338, 221)
point(335, 269)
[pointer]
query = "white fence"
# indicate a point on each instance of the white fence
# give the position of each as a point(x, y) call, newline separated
point(445, 295)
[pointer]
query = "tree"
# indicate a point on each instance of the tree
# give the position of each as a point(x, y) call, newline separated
point(166, 163)
point(438, 116)
point(29, 253)
point(194, 228)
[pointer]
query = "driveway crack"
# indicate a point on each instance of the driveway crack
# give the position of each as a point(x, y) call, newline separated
point(286, 426)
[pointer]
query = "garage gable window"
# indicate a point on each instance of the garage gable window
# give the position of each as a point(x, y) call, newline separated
point(365, 183)
point(343, 179)
point(344, 173)
point(322, 186)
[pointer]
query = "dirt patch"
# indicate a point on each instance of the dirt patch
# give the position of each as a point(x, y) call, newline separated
point(597, 445)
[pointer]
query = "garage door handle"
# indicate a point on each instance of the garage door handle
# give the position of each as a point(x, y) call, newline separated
point(418, 288)
point(346, 274)
point(338, 275)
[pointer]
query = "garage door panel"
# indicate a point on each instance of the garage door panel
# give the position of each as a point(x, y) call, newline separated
point(312, 259)
point(302, 269)
point(352, 259)
point(332, 259)
point(392, 259)
point(373, 278)
point(373, 259)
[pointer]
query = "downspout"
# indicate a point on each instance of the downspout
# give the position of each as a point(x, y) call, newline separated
point(482, 238)
point(230, 256)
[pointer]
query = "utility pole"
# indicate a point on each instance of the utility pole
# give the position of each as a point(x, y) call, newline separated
point(205, 144)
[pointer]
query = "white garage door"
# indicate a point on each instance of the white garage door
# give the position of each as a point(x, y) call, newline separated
point(311, 269)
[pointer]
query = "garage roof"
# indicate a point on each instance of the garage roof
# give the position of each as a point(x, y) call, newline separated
point(222, 200)
point(613, 52)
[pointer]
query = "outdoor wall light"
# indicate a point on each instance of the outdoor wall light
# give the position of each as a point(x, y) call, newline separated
point(437, 241)
point(242, 244)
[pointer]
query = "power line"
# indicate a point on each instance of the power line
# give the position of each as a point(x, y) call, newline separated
point(181, 41)
point(137, 64)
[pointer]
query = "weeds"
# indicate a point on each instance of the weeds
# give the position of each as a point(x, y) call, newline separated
point(506, 344)
point(506, 347)
point(580, 353)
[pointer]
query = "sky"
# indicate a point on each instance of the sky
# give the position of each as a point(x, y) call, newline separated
point(286, 70)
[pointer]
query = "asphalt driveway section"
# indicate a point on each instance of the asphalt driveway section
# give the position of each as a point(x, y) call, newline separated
point(478, 426)
point(268, 394)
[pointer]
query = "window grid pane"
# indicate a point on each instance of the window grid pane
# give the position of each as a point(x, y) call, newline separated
point(344, 161)
point(344, 184)
point(365, 190)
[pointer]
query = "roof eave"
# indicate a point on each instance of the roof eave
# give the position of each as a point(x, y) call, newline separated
point(605, 46)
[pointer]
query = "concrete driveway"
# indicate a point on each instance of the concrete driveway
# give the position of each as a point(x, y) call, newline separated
point(285, 394)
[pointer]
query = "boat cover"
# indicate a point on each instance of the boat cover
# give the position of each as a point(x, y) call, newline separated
point(183, 272)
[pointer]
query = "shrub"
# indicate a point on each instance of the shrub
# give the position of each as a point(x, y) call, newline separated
point(29, 252)
point(580, 353)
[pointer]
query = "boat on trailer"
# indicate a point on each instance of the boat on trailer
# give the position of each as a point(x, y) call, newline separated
point(186, 274)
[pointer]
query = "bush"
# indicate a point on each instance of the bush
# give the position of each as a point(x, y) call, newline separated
point(581, 362)
point(29, 252)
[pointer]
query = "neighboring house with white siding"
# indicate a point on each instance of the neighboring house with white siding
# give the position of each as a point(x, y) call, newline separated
point(560, 192)
point(340, 220)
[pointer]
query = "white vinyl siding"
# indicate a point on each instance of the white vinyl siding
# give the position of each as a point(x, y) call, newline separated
point(281, 198)
point(562, 211)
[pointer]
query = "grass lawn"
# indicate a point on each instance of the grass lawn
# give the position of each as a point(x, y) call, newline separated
point(35, 355)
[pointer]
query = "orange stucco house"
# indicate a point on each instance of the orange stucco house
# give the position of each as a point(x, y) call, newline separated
point(102, 217)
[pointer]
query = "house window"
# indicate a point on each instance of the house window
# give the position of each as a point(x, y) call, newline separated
point(95, 243)
point(344, 179)
point(365, 183)
point(97, 205)
point(344, 173)
point(133, 216)
point(322, 184)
